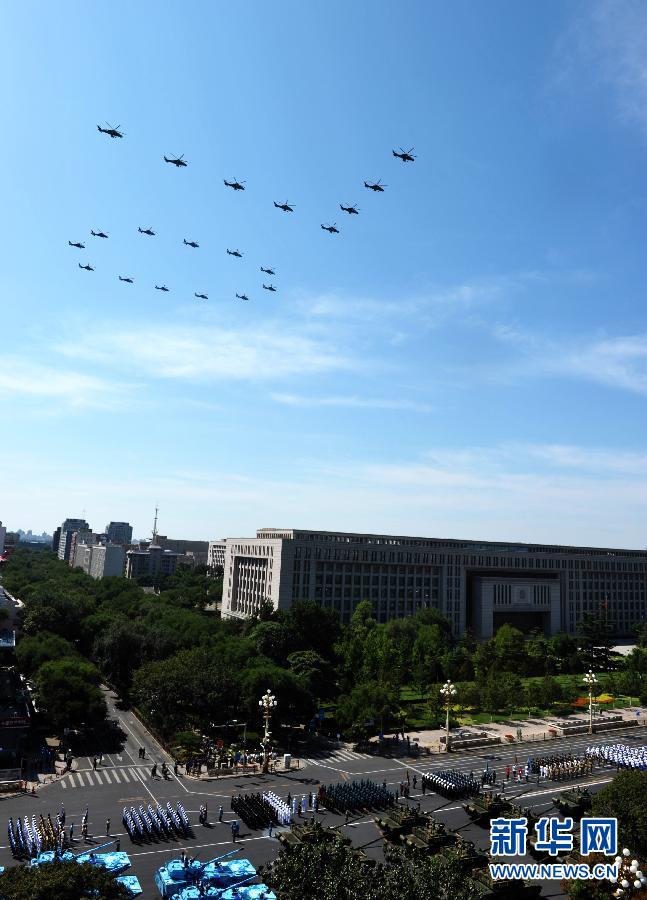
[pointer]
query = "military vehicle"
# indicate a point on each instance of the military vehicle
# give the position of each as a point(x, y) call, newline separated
point(574, 802)
point(312, 832)
point(486, 807)
point(397, 822)
point(466, 853)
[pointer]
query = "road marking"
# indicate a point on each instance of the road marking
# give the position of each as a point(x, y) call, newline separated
point(144, 785)
point(106, 775)
point(89, 777)
point(99, 778)
point(80, 777)
point(63, 784)
point(133, 772)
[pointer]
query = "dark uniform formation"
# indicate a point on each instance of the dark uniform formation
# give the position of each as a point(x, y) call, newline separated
point(237, 186)
point(348, 796)
point(450, 783)
point(156, 824)
point(254, 810)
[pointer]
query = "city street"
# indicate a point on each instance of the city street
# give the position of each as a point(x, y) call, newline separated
point(123, 779)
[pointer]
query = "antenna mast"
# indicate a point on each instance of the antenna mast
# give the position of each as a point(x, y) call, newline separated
point(154, 541)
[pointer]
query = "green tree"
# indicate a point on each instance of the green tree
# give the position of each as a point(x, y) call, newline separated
point(510, 649)
point(340, 873)
point(60, 881)
point(316, 673)
point(33, 651)
point(273, 640)
point(545, 692)
point(368, 700)
point(381, 660)
point(69, 694)
point(427, 656)
point(595, 637)
point(624, 799)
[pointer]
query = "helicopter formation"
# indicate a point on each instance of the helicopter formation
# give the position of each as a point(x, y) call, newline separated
point(236, 185)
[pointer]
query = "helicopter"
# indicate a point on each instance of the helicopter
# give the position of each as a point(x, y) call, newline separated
point(242, 296)
point(77, 244)
point(191, 243)
point(129, 280)
point(201, 296)
point(98, 234)
point(268, 271)
point(177, 161)
point(87, 267)
point(162, 288)
point(235, 184)
point(234, 252)
point(376, 186)
point(405, 155)
point(331, 228)
point(269, 287)
point(148, 231)
point(352, 210)
point(284, 206)
point(113, 132)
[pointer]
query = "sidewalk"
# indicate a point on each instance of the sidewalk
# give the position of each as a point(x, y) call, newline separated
point(521, 730)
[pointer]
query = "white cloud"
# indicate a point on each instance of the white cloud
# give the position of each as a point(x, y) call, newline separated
point(607, 43)
point(533, 493)
point(351, 401)
point(211, 354)
point(74, 389)
point(618, 362)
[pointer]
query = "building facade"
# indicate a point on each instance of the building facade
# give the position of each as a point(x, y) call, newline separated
point(119, 532)
point(3, 533)
point(216, 556)
point(152, 562)
point(99, 560)
point(478, 585)
point(68, 528)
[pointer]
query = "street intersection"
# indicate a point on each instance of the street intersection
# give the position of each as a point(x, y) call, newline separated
point(123, 779)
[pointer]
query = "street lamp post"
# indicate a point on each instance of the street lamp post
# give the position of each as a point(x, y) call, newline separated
point(448, 691)
point(267, 704)
point(590, 681)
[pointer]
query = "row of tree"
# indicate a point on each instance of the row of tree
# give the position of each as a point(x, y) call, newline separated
point(186, 668)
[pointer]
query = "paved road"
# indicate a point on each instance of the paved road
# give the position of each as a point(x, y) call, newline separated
point(123, 779)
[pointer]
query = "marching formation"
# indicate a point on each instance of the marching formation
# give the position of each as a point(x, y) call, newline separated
point(29, 838)
point(621, 755)
point(559, 766)
point(354, 795)
point(450, 783)
point(287, 207)
point(154, 824)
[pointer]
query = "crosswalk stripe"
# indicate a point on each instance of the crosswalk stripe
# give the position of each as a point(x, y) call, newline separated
point(106, 775)
point(133, 772)
point(97, 775)
point(81, 781)
point(89, 777)
point(64, 784)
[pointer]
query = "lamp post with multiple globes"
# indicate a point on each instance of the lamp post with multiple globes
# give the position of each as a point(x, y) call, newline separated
point(590, 681)
point(267, 704)
point(448, 691)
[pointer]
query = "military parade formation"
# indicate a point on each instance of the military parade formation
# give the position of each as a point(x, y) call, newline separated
point(156, 824)
point(450, 783)
point(620, 755)
point(237, 186)
point(350, 796)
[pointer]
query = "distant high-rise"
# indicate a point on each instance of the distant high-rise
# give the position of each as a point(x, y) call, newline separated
point(119, 533)
point(68, 528)
point(3, 532)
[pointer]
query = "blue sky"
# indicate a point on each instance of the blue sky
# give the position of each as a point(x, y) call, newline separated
point(467, 358)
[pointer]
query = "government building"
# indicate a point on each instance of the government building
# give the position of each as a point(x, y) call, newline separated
point(478, 585)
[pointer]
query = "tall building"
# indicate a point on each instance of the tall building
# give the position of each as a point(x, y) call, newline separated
point(81, 538)
point(56, 537)
point(477, 584)
point(3, 533)
point(152, 562)
point(119, 532)
point(216, 556)
point(68, 528)
point(99, 560)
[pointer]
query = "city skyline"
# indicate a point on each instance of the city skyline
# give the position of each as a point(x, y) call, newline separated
point(467, 358)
